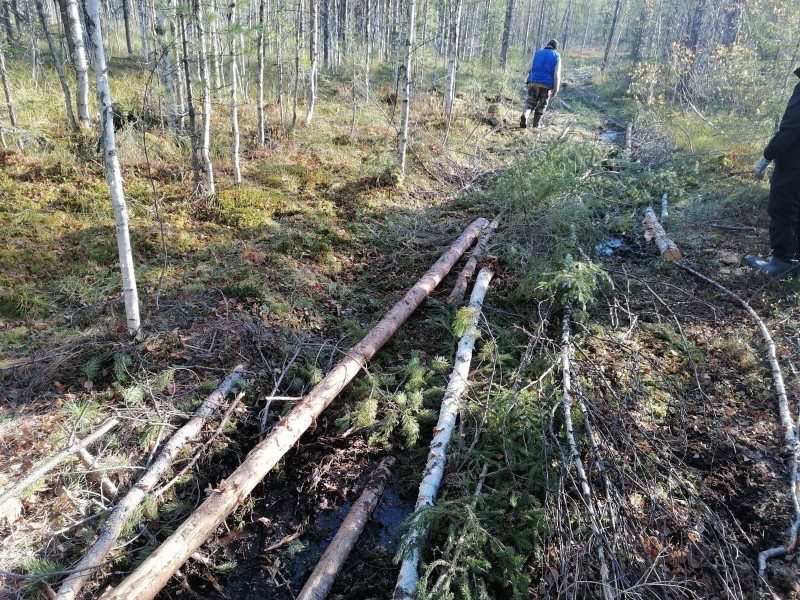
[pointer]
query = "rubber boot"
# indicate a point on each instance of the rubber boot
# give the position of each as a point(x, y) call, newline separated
point(774, 267)
point(523, 120)
point(536, 118)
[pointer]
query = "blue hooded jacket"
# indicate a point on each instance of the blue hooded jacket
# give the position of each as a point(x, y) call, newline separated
point(545, 63)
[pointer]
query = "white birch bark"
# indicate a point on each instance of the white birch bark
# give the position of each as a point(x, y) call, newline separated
point(111, 529)
point(80, 63)
point(113, 171)
point(144, 28)
point(260, 51)
point(12, 116)
point(437, 458)
point(148, 579)
point(237, 170)
point(403, 149)
point(314, 47)
point(205, 70)
point(654, 231)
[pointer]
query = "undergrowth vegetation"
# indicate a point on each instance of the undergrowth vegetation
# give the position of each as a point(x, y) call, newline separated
point(290, 268)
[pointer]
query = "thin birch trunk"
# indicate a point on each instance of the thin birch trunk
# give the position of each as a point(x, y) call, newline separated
point(79, 63)
point(126, 17)
point(146, 581)
point(58, 66)
point(297, 46)
point(452, 69)
point(205, 146)
point(575, 457)
point(403, 150)
point(262, 128)
point(314, 50)
point(163, 26)
point(12, 116)
point(190, 105)
point(12, 493)
point(144, 24)
point(321, 580)
point(507, 24)
point(237, 170)
point(437, 457)
point(112, 528)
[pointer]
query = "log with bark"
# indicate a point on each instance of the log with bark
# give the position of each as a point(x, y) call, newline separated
point(125, 509)
point(332, 561)
point(434, 470)
point(654, 231)
point(146, 581)
point(10, 505)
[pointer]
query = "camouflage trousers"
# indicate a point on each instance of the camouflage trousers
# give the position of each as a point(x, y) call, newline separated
point(538, 95)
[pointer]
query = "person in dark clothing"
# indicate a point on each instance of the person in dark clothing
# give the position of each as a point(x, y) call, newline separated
point(784, 193)
point(544, 80)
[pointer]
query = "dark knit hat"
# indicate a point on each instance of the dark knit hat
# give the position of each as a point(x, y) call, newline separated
point(552, 44)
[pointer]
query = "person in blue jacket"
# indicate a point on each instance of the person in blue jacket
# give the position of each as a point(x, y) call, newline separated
point(784, 194)
point(544, 80)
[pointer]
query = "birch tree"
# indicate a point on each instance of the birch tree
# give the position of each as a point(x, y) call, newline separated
point(506, 33)
point(260, 51)
point(12, 116)
point(57, 64)
point(452, 70)
point(403, 149)
point(113, 172)
point(79, 62)
point(205, 74)
point(237, 171)
point(163, 22)
point(314, 51)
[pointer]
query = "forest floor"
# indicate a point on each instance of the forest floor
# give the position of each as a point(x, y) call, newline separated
point(686, 456)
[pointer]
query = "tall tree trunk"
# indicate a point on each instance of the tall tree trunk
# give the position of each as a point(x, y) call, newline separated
point(237, 170)
point(314, 52)
point(403, 150)
point(205, 70)
point(79, 62)
point(262, 129)
point(297, 48)
point(12, 116)
point(163, 25)
point(5, 18)
point(126, 17)
point(57, 64)
point(452, 70)
point(506, 34)
point(144, 24)
point(611, 33)
point(113, 172)
point(190, 105)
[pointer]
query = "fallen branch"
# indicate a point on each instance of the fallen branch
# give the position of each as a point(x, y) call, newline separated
point(106, 485)
point(787, 420)
point(731, 227)
point(664, 207)
point(126, 507)
point(628, 138)
point(654, 231)
point(575, 456)
point(469, 269)
point(146, 581)
point(332, 561)
point(10, 505)
point(434, 470)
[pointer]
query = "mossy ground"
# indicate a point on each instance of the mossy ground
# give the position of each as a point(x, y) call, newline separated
point(290, 268)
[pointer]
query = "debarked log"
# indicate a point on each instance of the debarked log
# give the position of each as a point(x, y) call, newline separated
point(332, 561)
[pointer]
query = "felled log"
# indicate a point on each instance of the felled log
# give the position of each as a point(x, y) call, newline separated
point(332, 561)
point(437, 458)
point(654, 231)
point(10, 505)
point(112, 528)
point(469, 269)
point(146, 581)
